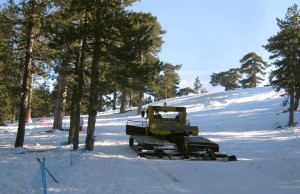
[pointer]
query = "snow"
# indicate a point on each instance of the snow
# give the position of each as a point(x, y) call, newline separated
point(248, 123)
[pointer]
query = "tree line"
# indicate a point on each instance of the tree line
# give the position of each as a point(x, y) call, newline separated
point(99, 53)
point(285, 55)
point(96, 52)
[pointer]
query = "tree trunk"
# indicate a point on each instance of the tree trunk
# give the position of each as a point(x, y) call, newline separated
point(94, 89)
point(292, 104)
point(72, 117)
point(24, 99)
point(79, 75)
point(74, 120)
point(2, 121)
point(28, 118)
point(141, 92)
point(76, 130)
point(130, 100)
point(141, 102)
point(115, 100)
point(60, 103)
point(123, 101)
point(255, 80)
point(26, 74)
point(297, 100)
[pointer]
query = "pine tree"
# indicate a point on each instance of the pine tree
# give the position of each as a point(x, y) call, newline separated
point(148, 43)
point(252, 66)
point(9, 70)
point(59, 30)
point(102, 20)
point(185, 91)
point(136, 53)
point(228, 79)
point(68, 32)
point(32, 11)
point(168, 81)
point(197, 85)
point(42, 107)
point(284, 47)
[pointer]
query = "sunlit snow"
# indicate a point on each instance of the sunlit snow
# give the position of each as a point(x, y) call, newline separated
point(249, 123)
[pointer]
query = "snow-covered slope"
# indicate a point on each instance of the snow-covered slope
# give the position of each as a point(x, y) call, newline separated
point(249, 123)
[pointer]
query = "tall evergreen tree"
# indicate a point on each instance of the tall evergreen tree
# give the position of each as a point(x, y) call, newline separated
point(136, 53)
point(228, 79)
point(60, 27)
point(102, 24)
point(168, 81)
point(197, 85)
point(80, 65)
point(284, 47)
point(252, 66)
point(42, 107)
point(32, 11)
point(68, 32)
point(9, 68)
point(185, 91)
point(148, 42)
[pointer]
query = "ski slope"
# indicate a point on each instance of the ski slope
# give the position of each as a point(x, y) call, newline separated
point(249, 123)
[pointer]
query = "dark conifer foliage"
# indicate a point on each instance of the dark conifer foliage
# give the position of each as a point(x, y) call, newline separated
point(253, 66)
point(228, 79)
point(141, 41)
point(197, 85)
point(284, 47)
point(104, 33)
point(32, 12)
point(10, 70)
point(168, 81)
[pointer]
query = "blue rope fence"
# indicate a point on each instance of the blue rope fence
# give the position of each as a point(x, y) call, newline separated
point(43, 173)
point(39, 182)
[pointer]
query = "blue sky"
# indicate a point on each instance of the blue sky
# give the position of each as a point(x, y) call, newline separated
point(207, 36)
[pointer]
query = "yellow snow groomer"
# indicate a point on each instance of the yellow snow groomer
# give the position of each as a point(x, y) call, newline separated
point(166, 133)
